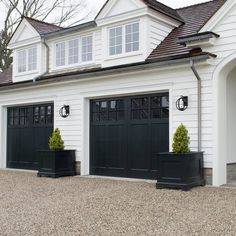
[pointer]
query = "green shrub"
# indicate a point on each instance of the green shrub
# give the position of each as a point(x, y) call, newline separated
point(55, 142)
point(181, 140)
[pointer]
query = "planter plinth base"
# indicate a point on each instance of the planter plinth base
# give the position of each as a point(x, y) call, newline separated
point(180, 171)
point(56, 164)
point(183, 187)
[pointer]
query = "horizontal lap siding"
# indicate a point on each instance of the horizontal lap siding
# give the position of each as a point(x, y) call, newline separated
point(181, 80)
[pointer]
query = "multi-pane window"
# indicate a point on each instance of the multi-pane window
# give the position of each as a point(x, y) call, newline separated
point(87, 48)
point(32, 59)
point(18, 116)
point(124, 39)
point(132, 37)
point(27, 60)
point(73, 57)
point(60, 54)
point(115, 43)
point(108, 110)
point(43, 115)
point(22, 61)
point(154, 107)
point(74, 51)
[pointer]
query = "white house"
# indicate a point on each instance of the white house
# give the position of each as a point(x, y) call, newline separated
point(121, 76)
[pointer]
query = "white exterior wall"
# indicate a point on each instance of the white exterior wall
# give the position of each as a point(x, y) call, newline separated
point(157, 32)
point(75, 129)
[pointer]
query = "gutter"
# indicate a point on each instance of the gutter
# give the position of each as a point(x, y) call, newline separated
point(47, 61)
point(82, 75)
point(199, 103)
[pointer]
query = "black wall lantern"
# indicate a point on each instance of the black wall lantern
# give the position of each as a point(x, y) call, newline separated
point(65, 111)
point(182, 103)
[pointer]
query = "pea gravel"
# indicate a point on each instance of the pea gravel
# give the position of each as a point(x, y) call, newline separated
point(95, 206)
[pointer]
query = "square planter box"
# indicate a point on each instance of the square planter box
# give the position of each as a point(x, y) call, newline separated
point(180, 171)
point(56, 163)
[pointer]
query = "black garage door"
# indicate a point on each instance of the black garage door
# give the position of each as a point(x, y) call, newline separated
point(28, 130)
point(126, 133)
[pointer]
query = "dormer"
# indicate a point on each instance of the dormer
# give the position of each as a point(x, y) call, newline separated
point(132, 29)
point(29, 50)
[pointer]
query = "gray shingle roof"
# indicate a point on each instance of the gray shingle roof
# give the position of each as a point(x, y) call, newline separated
point(42, 27)
point(195, 17)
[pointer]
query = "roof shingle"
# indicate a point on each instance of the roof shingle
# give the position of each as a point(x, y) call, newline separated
point(43, 27)
point(195, 17)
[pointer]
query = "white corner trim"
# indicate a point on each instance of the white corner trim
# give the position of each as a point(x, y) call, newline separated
point(217, 17)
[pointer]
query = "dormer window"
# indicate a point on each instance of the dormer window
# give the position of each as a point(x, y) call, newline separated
point(124, 39)
point(87, 48)
point(27, 60)
point(74, 52)
point(60, 54)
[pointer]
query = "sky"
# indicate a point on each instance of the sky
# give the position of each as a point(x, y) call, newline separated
point(95, 5)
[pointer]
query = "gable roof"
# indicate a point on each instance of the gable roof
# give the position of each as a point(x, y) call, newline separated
point(195, 17)
point(156, 6)
point(163, 9)
point(42, 27)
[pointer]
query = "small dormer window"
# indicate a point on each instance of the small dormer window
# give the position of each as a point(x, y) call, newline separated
point(124, 39)
point(22, 61)
point(87, 48)
point(60, 54)
point(74, 52)
point(73, 56)
point(132, 37)
point(27, 60)
point(32, 57)
point(116, 36)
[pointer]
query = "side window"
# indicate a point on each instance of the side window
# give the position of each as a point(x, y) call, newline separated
point(132, 37)
point(60, 54)
point(32, 59)
point(22, 67)
point(73, 54)
point(115, 41)
point(87, 48)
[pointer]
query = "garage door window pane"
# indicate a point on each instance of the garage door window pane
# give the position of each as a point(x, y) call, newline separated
point(42, 115)
point(36, 115)
point(49, 115)
point(16, 116)
point(140, 108)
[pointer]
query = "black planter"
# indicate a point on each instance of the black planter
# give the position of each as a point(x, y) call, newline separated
point(56, 163)
point(180, 171)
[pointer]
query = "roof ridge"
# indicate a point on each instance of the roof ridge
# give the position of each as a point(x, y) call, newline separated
point(43, 22)
point(195, 5)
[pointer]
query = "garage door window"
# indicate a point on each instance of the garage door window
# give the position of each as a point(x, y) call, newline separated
point(108, 110)
point(18, 116)
point(43, 115)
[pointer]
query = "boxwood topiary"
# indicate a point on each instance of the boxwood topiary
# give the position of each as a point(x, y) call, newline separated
point(55, 142)
point(181, 140)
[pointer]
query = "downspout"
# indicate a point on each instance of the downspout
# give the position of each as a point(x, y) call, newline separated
point(47, 61)
point(199, 104)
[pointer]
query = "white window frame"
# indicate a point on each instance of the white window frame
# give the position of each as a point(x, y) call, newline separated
point(27, 71)
point(80, 62)
point(124, 53)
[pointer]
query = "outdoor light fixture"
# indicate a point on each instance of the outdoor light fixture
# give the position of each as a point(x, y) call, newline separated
point(182, 103)
point(65, 111)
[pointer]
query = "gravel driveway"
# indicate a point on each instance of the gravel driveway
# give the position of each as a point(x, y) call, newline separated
point(93, 206)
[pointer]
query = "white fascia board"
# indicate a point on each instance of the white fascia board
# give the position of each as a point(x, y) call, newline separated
point(111, 4)
point(122, 17)
point(163, 18)
point(217, 17)
point(24, 43)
